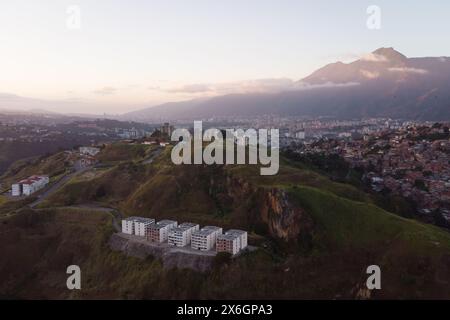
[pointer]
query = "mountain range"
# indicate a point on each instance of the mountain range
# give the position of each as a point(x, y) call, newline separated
point(384, 83)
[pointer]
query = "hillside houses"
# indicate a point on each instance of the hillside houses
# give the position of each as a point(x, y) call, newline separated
point(29, 185)
point(89, 151)
point(411, 161)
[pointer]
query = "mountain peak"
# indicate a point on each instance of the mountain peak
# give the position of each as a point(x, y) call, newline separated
point(390, 54)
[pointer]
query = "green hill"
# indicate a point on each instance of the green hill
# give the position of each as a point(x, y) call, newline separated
point(316, 237)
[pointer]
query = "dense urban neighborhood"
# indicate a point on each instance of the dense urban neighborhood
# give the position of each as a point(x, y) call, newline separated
point(410, 160)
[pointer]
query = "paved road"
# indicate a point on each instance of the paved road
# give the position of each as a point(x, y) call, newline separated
point(56, 186)
point(153, 155)
point(116, 214)
point(78, 170)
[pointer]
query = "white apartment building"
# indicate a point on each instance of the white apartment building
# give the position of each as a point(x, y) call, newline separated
point(242, 236)
point(128, 225)
point(90, 151)
point(29, 186)
point(181, 236)
point(16, 190)
point(228, 243)
point(141, 225)
point(216, 230)
point(205, 239)
point(159, 232)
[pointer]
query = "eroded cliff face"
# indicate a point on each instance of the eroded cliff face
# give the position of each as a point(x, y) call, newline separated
point(271, 207)
point(285, 220)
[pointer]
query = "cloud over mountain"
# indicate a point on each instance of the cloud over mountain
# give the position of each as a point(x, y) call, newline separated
point(106, 91)
point(384, 83)
point(409, 70)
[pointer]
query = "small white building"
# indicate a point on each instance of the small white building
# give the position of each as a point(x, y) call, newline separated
point(159, 232)
point(141, 226)
point(90, 151)
point(181, 236)
point(242, 236)
point(205, 239)
point(228, 243)
point(128, 225)
point(29, 186)
point(16, 190)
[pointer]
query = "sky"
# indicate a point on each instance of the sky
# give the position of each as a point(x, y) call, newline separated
point(115, 56)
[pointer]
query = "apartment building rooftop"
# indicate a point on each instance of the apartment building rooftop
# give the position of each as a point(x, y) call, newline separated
point(211, 228)
point(187, 225)
point(236, 231)
point(157, 226)
point(132, 218)
point(166, 222)
point(141, 219)
point(204, 232)
point(227, 236)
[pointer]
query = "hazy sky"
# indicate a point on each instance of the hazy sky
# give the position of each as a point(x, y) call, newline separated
point(135, 53)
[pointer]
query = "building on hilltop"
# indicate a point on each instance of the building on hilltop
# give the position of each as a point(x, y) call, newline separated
point(228, 243)
point(89, 151)
point(181, 236)
point(167, 129)
point(29, 186)
point(141, 225)
point(232, 241)
point(242, 235)
point(205, 239)
point(128, 225)
point(159, 232)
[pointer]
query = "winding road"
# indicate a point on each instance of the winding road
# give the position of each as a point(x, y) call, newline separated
point(56, 186)
point(116, 215)
point(153, 155)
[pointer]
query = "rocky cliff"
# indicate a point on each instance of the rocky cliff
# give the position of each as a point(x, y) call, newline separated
point(285, 221)
point(270, 207)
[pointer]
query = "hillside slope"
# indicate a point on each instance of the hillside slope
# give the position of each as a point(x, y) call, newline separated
point(316, 237)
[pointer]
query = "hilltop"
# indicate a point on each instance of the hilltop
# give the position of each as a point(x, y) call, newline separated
point(316, 236)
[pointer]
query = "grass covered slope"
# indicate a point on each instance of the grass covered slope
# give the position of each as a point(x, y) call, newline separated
point(347, 223)
point(414, 257)
point(38, 246)
point(52, 165)
point(335, 230)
